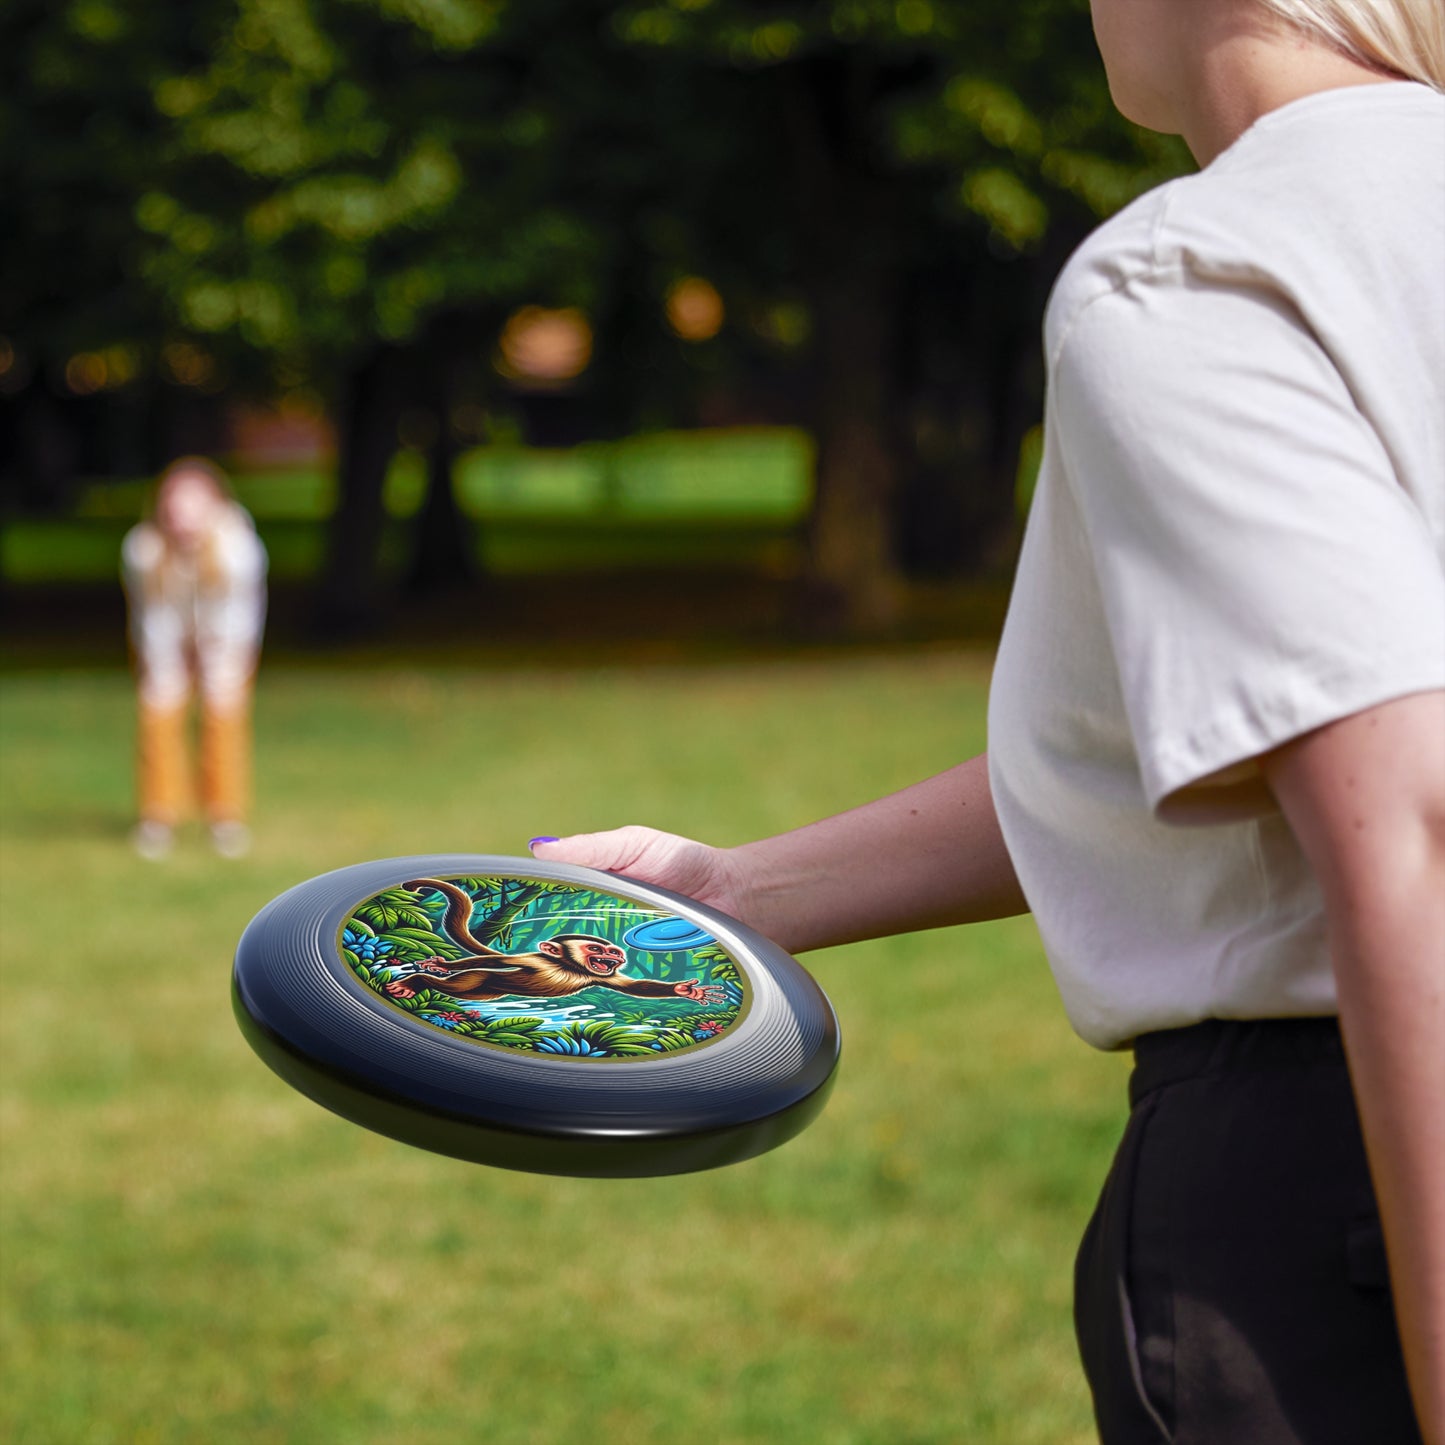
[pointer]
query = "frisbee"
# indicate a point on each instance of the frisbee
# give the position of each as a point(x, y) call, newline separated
point(535, 1016)
point(663, 935)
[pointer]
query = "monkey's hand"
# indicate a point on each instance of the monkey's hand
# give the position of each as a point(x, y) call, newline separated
point(434, 964)
point(699, 992)
point(398, 988)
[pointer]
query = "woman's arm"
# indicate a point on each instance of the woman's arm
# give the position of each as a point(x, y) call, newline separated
point(1366, 799)
point(929, 856)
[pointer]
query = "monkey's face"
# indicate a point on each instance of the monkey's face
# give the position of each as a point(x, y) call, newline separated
point(598, 957)
point(594, 955)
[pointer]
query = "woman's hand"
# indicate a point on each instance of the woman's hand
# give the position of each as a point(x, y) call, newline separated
point(710, 875)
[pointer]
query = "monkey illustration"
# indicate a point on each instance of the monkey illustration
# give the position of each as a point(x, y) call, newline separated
point(562, 965)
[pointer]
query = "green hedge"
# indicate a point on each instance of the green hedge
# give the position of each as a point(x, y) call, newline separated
point(671, 499)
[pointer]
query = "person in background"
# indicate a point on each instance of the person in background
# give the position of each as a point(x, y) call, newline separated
point(195, 583)
point(1216, 767)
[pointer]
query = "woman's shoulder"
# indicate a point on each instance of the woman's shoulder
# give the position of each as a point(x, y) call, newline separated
point(1110, 258)
point(1339, 191)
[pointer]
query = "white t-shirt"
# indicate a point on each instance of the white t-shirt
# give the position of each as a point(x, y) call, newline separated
point(1238, 536)
point(189, 627)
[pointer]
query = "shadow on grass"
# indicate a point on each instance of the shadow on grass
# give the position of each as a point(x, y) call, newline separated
point(558, 621)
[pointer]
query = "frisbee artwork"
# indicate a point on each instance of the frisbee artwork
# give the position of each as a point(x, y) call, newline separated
point(535, 1016)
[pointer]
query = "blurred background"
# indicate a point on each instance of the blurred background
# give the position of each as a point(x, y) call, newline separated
point(639, 403)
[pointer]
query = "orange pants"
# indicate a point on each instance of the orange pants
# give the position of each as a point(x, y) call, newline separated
point(163, 762)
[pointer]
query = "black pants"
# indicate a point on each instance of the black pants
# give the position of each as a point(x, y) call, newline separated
point(1231, 1287)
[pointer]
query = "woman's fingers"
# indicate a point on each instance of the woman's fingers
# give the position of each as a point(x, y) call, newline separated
point(650, 856)
point(615, 851)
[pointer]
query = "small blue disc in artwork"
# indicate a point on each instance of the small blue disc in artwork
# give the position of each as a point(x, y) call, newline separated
point(667, 935)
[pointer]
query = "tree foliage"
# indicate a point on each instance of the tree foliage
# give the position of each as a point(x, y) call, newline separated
point(352, 195)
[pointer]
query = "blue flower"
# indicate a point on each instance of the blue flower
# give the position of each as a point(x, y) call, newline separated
point(565, 1044)
point(440, 1022)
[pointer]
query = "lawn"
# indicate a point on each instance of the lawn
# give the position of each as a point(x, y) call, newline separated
point(193, 1253)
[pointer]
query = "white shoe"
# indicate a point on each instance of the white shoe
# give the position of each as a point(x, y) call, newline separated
point(231, 839)
point(152, 840)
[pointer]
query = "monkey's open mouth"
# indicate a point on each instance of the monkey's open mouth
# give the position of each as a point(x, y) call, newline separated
point(599, 967)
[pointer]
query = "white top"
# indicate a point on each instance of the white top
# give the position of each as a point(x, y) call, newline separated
point(196, 619)
point(1238, 536)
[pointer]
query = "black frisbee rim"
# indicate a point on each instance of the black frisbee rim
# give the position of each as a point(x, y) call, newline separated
point(315, 1025)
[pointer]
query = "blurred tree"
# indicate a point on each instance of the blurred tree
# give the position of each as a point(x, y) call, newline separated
point(79, 139)
point(355, 194)
point(922, 167)
point(375, 186)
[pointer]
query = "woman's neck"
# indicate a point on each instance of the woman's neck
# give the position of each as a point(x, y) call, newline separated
point(1244, 69)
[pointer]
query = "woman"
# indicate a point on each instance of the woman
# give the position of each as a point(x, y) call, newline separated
point(1217, 760)
point(195, 583)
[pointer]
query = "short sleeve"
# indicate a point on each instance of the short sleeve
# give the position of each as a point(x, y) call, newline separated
point(1263, 571)
point(239, 550)
point(140, 554)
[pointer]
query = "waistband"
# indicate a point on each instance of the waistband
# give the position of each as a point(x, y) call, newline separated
point(1225, 1046)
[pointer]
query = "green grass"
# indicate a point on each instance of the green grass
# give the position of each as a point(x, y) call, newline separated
point(193, 1253)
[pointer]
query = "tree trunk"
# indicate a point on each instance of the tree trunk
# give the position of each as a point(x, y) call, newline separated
point(443, 555)
point(974, 387)
point(47, 451)
point(352, 594)
point(850, 265)
point(851, 552)
point(442, 559)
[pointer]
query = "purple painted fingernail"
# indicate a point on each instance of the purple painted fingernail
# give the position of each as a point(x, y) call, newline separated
point(532, 842)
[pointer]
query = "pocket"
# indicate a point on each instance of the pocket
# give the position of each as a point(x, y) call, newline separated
point(1104, 1313)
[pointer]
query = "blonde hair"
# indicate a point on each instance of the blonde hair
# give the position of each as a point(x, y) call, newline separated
point(1404, 37)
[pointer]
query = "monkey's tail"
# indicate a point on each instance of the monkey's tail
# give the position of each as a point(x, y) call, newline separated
point(458, 917)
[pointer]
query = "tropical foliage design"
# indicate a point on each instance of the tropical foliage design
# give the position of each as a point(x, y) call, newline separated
point(388, 935)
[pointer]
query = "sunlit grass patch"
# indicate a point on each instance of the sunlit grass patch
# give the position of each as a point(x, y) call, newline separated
point(194, 1253)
